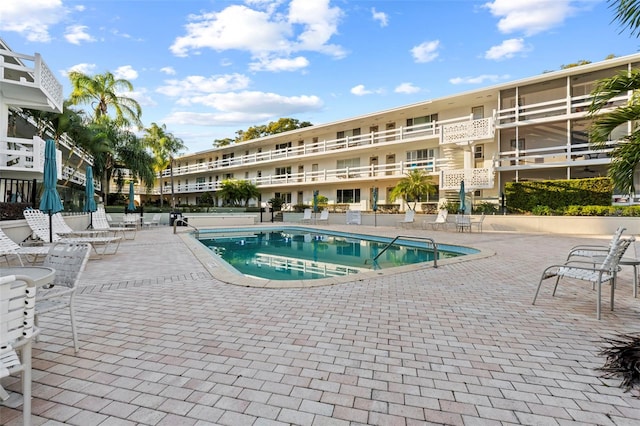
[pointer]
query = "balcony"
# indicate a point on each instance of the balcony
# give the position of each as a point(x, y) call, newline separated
point(553, 156)
point(28, 82)
point(457, 129)
point(467, 131)
point(23, 158)
point(473, 179)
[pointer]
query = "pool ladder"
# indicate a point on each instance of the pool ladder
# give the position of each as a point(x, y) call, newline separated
point(410, 237)
point(175, 223)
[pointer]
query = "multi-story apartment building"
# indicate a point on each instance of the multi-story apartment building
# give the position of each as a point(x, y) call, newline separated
point(27, 83)
point(529, 129)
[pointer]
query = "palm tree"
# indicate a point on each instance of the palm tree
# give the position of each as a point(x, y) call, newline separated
point(165, 147)
point(114, 148)
point(625, 156)
point(413, 187)
point(247, 191)
point(103, 92)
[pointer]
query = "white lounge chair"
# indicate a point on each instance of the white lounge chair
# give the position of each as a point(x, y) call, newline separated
point(587, 271)
point(39, 223)
point(409, 219)
point(68, 260)
point(102, 222)
point(324, 216)
point(155, 220)
point(8, 247)
point(440, 222)
point(306, 216)
point(17, 307)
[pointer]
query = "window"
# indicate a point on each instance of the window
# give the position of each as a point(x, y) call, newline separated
point(283, 171)
point(259, 173)
point(420, 154)
point(478, 152)
point(431, 118)
point(228, 176)
point(284, 196)
point(348, 133)
point(349, 162)
point(344, 196)
point(283, 146)
point(228, 156)
point(477, 112)
point(246, 175)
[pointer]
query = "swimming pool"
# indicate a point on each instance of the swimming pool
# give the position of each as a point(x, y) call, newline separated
point(291, 253)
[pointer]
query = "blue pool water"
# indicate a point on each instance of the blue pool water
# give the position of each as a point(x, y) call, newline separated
point(304, 254)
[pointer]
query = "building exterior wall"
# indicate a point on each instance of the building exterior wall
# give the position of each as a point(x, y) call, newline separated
point(531, 129)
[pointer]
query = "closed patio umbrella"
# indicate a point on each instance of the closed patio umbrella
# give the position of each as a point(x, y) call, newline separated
point(131, 207)
point(50, 200)
point(89, 200)
point(463, 207)
point(374, 206)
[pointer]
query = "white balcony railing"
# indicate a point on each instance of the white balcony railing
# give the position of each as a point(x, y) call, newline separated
point(22, 155)
point(30, 71)
point(482, 178)
point(473, 179)
point(394, 136)
point(470, 130)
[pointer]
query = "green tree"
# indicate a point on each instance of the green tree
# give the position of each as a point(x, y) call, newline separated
point(625, 156)
point(104, 92)
point(236, 192)
point(165, 146)
point(274, 127)
point(411, 188)
point(217, 143)
point(115, 148)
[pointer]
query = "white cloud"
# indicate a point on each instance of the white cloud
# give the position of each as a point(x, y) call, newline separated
point(244, 107)
point(75, 34)
point(32, 18)
point(198, 85)
point(481, 79)
point(507, 49)
point(425, 52)
point(381, 17)
point(279, 64)
point(529, 16)
point(83, 68)
point(126, 72)
point(361, 90)
point(168, 70)
point(307, 25)
point(142, 97)
point(406, 88)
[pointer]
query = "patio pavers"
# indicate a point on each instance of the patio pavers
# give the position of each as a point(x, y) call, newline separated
point(164, 343)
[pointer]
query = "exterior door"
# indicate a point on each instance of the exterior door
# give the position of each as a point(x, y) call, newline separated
point(391, 159)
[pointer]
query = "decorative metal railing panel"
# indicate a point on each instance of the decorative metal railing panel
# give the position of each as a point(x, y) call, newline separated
point(473, 179)
point(465, 131)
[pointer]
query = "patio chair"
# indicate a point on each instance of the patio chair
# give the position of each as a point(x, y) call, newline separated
point(306, 216)
point(155, 220)
point(102, 222)
point(409, 219)
point(477, 222)
point(587, 271)
point(61, 228)
point(463, 223)
point(440, 222)
point(17, 308)
point(68, 260)
point(324, 216)
point(8, 247)
point(590, 250)
point(38, 221)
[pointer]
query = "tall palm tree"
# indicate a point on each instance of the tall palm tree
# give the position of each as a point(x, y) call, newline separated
point(103, 92)
point(411, 188)
point(165, 146)
point(625, 156)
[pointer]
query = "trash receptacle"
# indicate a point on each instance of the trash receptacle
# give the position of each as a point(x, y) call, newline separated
point(173, 216)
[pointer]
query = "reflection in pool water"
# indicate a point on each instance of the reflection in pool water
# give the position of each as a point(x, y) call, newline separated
point(304, 254)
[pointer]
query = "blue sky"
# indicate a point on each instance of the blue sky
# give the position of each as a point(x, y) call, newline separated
point(208, 68)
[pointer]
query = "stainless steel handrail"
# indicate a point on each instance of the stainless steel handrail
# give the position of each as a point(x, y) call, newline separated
point(412, 237)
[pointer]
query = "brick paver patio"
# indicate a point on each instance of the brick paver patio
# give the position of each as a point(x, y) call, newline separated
point(165, 343)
